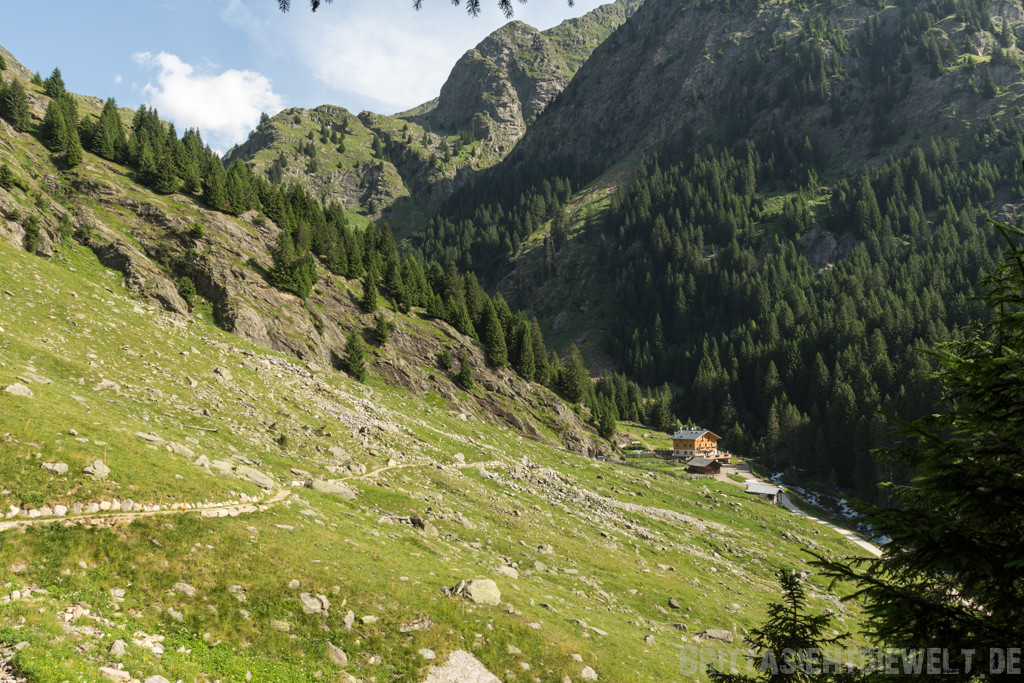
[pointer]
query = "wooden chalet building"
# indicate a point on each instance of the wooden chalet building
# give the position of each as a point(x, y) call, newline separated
point(766, 492)
point(704, 465)
point(696, 442)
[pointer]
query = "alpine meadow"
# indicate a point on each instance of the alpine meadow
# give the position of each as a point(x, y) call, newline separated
point(681, 340)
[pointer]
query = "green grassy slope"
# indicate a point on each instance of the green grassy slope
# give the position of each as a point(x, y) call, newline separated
point(622, 541)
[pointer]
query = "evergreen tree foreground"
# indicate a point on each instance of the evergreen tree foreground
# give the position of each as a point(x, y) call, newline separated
point(952, 575)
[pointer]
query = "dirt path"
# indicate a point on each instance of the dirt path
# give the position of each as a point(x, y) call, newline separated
point(229, 510)
point(744, 471)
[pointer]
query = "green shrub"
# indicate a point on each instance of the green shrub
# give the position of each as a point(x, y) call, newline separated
point(32, 234)
point(187, 289)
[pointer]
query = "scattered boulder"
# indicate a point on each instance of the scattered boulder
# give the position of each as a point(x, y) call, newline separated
point(505, 570)
point(588, 674)
point(426, 527)
point(107, 384)
point(294, 584)
point(356, 468)
point(545, 549)
point(282, 626)
point(314, 603)
point(427, 653)
point(180, 449)
point(718, 634)
point(335, 488)
point(480, 591)
point(337, 655)
point(117, 649)
point(185, 589)
point(156, 679)
point(223, 373)
point(246, 473)
point(338, 453)
point(97, 470)
point(461, 667)
point(151, 438)
point(673, 603)
point(18, 389)
point(421, 624)
point(115, 674)
point(55, 467)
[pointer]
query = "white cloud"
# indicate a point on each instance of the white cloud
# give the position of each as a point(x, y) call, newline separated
point(224, 106)
point(396, 60)
point(118, 78)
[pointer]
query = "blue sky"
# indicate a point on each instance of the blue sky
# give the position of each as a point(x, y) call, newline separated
point(216, 64)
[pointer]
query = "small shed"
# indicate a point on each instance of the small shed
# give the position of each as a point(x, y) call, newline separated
point(765, 491)
point(704, 465)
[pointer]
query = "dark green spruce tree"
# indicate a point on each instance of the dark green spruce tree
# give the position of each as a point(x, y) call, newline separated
point(953, 571)
point(355, 356)
point(14, 106)
point(573, 380)
point(788, 648)
point(54, 85)
point(369, 300)
point(493, 338)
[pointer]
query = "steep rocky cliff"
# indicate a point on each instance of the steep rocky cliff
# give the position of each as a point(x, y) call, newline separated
point(500, 87)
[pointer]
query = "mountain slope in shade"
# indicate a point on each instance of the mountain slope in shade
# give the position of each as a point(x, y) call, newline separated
point(859, 82)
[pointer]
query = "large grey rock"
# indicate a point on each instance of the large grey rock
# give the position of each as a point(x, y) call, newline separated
point(151, 438)
point(461, 667)
point(426, 527)
point(18, 389)
point(356, 468)
point(156, 679)
point(338, 453)
point(505, 570)
point(246, 473)
point(185, 589)
point(337, 655)
point(115, 674)
point(313, 603)
point(180, 449)
point(117, 649)
point(336, 488)
point(480, 591)
point(97, 470)
point(717, 634)
point(55, 467)
point(588, 674)
point(282, 626)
